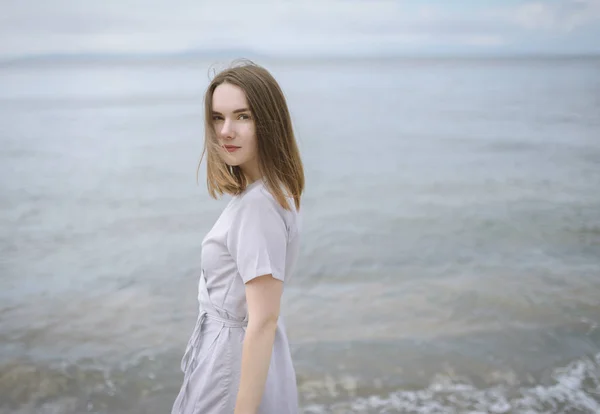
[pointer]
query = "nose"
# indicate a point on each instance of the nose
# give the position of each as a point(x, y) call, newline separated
point(227, 130)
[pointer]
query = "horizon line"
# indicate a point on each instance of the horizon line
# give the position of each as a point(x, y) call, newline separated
point(241, 54)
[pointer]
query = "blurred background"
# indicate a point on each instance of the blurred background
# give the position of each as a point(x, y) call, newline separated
point(451, 242)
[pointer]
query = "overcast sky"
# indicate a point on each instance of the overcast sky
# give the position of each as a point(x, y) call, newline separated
point(32, 27)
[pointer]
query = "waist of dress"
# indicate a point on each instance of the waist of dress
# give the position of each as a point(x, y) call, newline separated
point(194, 341)
point(228, 322)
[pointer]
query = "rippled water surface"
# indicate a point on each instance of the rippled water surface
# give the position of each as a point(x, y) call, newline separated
point(451, 245)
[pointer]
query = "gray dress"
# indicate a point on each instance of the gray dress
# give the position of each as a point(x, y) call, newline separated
point(253, 236)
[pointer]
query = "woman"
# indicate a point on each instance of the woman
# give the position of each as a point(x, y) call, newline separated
point(238, 358)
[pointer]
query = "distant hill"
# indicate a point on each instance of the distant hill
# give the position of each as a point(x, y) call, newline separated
point(229, 54)
point(134, 57)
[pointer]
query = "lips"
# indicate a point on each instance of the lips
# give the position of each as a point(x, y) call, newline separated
point(230, 148)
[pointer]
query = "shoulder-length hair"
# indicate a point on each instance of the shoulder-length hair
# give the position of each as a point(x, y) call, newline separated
point(278, 155)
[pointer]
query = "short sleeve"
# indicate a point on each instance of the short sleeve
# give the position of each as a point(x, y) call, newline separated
point(257, 239)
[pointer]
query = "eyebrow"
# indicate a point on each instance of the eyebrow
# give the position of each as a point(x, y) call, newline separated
point(237, 111)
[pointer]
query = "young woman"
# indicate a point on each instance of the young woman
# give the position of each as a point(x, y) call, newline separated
point(238, 358)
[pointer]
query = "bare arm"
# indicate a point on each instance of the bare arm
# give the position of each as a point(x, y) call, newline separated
point(263, 295)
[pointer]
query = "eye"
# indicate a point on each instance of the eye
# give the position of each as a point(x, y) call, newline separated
point(217, 117)
point(244, 116)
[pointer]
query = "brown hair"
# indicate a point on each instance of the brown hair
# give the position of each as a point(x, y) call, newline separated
point(278, 155)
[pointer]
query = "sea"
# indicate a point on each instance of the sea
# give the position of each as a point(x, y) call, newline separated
point(450, 258)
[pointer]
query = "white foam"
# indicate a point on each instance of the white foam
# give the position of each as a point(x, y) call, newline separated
point(575, 388)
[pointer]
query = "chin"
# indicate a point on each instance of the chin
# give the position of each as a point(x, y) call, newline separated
point(233, 163)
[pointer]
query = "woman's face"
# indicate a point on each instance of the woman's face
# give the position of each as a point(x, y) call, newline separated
point(235, 129)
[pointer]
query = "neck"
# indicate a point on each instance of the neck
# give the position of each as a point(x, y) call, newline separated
point(251, 172)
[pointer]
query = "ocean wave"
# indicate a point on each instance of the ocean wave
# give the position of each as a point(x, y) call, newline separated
point(574, 388)
point(495, 371)
point(77, 388)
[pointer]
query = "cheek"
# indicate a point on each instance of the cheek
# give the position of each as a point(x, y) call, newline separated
point(250, 130)
point(250, 135)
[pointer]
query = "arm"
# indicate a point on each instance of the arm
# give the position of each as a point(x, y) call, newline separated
point(263, 295)
point(257, 242)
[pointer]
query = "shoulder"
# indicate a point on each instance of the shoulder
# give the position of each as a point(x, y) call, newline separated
point(259, 203)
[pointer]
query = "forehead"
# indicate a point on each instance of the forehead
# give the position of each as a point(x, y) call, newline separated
point(228, 98)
